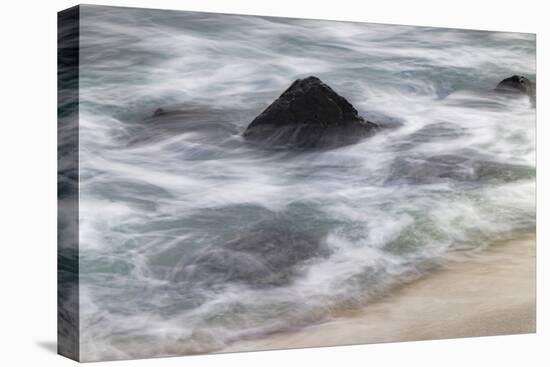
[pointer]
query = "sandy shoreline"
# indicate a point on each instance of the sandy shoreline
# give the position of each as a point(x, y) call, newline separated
point(491, 292)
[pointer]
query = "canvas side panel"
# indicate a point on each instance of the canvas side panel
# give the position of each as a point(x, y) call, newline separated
point(67, 183)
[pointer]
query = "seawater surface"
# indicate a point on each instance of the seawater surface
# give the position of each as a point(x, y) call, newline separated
point(191, 239)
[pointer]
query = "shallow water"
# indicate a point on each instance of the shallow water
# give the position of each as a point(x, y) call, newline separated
point(191, 238)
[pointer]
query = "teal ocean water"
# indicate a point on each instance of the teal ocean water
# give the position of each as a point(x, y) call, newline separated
point(191, 239)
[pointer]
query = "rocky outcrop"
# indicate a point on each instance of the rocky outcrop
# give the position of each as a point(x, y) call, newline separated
point(309, 114)
point(517, 85)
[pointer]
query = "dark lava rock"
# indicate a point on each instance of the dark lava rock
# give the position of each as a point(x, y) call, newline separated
point(517, 85)
point(309, 114)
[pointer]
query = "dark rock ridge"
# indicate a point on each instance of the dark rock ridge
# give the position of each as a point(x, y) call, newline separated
point(517, 85)
point(309, 114)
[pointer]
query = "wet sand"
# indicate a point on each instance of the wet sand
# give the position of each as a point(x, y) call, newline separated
point(490, 292)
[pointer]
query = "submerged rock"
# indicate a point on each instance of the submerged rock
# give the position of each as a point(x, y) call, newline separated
point(266, 255)
point(206, 124)
point(517, 85)
point(190, 117)
point(309, 114)
point(456, 168)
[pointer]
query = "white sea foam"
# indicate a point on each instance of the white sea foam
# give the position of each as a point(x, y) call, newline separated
point(455, 171)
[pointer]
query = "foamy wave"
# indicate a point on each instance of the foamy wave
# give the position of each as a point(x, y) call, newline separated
point(161, 203)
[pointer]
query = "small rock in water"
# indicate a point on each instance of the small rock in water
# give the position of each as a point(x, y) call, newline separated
point(159, 112)
point(519, 85)
point(309, 114)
